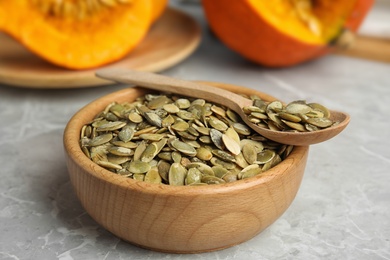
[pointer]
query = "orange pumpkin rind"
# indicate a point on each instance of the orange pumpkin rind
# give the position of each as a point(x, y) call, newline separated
point(101, 36)
point(273, 35)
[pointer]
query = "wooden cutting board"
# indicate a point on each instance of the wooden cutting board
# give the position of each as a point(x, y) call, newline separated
point(171, 39)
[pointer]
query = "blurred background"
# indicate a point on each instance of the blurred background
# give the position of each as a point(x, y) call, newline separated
point(340, 212)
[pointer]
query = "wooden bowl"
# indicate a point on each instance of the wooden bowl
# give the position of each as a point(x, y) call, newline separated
point(179, 219)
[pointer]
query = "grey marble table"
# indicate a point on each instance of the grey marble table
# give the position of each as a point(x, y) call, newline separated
point(342, 210)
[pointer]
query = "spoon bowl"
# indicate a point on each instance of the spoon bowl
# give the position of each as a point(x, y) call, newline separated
point(224, 97)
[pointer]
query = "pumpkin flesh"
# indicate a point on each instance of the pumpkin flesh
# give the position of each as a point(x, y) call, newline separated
point(75, 41)
point(279, 33)
point(310, 21)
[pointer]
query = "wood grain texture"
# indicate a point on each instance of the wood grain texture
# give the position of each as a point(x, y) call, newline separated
point(370, 48)
point(171, 39)
point(179, 219)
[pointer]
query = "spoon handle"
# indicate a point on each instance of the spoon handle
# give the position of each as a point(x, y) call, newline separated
point(173, 85)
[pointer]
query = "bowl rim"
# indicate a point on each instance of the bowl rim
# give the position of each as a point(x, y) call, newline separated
point(73, 151)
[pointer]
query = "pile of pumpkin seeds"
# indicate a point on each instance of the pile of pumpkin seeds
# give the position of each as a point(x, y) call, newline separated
point(175, 140)
point(295, 116)
point(304, 11)
point(76, 8)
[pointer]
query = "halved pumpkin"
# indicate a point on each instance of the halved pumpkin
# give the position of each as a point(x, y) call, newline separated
point(281, 33)
point(77, 34)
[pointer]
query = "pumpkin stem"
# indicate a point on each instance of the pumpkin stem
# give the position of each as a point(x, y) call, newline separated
point(344, 40)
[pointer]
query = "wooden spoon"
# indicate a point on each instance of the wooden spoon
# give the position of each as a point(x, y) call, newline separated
point(231, 100)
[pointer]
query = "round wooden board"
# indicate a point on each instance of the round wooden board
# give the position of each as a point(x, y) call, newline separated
point(171, 39)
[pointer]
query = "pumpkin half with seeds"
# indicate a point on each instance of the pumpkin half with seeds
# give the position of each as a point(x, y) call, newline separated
point(280, 33)
point(79, 34)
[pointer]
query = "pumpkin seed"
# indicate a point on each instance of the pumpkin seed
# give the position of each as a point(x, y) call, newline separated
point(297, 115)
point(223, 155)
point(271, 163)
point(201, 129)
point(217, 124)
point(219, 171)
point(320, 108)
point(257, 146)
point(240, 160)
point(205, 139)
point(86, 151)
point(199, 101)
point(167, 121)
point(152, 137)
point(295, 126)
point(149, 153)
point(204, 154)
point(152, 176)
point(231, 144)
point(118, 159)
point(109, 165)
point(218, 162)
point(249, 153)
point(176, 157)
point(183, 103)
point(101, 139)
point(135, 117)
point(233, 116)
point(303, 9)
point(250, 171)
point(139, 151)
point(153, 119)
point(183, 147)
point(185, 115)
point(274, 106)
point(139, 176)
point(171, 108)
point(158, 102)
point(212, 179)
point(241, 129)
point(216, 138)
point(311, 128)
point(163, 169)
point(193, 176)
point(298, 107)
point(320, 122)
point(180, 126)
point(177, 174)
point(145, 130)
point(202, 167)
point(126, 134)
point(187, 136)
point(76, 9)
point(193, 143)
point(99, 153)
point(229, 177)
point(167, 156)
point(218, 110)
point(139, 167)
point(265, 156)
point(289, 117)
point(130, 145)
point(120, 151)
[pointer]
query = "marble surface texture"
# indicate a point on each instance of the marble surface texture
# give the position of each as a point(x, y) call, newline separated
point(342, 210)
